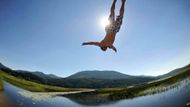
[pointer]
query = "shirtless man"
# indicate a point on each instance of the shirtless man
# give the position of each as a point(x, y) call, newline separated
point(111, 29)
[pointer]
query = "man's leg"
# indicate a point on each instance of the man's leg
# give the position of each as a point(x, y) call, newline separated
point(113, 9)
point(122, 8)
point(120, 17)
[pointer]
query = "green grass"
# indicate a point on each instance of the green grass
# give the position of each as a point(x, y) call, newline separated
point(1, 82)
point(35, 87)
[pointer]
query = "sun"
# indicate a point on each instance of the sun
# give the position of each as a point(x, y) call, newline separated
point(104, 22)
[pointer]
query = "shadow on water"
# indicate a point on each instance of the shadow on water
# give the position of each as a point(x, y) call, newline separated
point(90, 99)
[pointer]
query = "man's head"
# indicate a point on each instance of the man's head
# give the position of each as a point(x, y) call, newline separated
point(103, 48)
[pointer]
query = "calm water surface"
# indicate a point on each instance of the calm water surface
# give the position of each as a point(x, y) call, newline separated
point(176, 97)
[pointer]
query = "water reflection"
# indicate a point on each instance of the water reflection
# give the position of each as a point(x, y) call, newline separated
point(177, 95)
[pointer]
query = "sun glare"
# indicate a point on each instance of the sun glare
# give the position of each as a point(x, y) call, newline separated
point(104, 22)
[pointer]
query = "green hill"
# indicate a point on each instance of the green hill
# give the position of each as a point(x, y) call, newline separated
point(39, 74)
point(173, 72)
point(99, 75)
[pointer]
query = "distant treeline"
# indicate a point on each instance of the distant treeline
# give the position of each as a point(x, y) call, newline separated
point(78, 83)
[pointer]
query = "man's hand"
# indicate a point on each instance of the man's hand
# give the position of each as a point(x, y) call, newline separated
point(112, 47)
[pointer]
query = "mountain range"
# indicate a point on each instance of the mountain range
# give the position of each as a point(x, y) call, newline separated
point(85, 79)
point(99, 75)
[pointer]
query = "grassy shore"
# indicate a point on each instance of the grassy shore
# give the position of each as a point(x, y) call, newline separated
point(35, 87)
point(1, 82)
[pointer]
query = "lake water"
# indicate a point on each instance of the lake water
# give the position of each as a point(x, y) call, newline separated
point(176, 97)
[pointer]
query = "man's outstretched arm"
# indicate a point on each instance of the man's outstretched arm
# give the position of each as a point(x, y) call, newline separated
point(91, 43)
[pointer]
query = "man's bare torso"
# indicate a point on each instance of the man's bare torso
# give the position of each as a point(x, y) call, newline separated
point(108, 40)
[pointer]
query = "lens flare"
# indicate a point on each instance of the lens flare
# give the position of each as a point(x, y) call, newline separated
point(104, 22)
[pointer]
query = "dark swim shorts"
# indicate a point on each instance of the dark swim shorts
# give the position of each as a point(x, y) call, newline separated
point(114, 25)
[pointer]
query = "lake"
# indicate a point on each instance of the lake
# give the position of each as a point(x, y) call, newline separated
point(178, 96)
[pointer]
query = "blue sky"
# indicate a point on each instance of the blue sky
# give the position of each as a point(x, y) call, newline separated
point(46, 35)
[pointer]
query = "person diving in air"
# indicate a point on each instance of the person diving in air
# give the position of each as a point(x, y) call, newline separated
point(111, 29)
